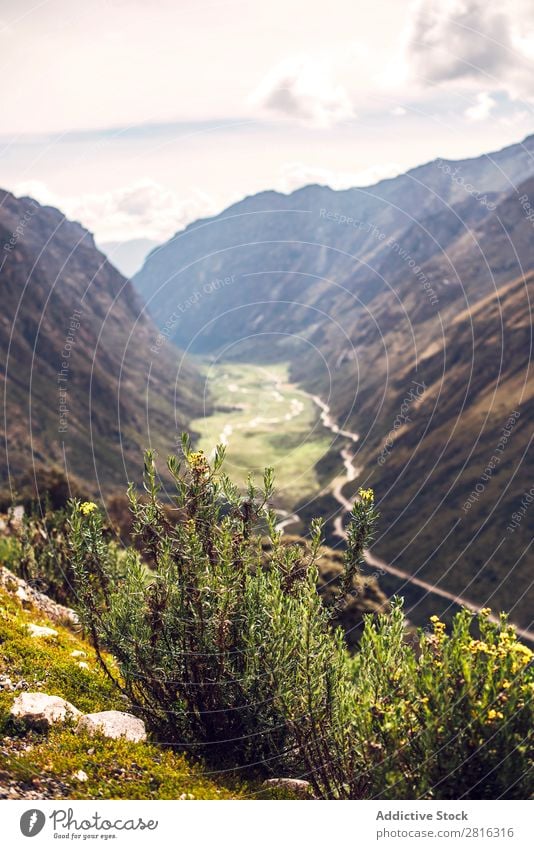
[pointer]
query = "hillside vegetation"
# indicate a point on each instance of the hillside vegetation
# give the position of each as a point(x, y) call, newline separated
point(221, 636)
point(61, 763)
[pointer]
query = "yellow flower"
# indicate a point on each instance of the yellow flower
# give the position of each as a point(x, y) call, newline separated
point(366, 495)
point(198, 462)
point(485, 611)
point(439, 628)
point(494, 714)
point(524, 653)
point(478, 646)
point(87, 507)
point(505, 685)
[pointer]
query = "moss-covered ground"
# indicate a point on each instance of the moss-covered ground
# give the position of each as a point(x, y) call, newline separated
point(44, 765)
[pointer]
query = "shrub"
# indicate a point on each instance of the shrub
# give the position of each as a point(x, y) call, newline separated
point(227, 649)
point(41, 553)
point(452, 719)
point(210, 638)
point(45, 560)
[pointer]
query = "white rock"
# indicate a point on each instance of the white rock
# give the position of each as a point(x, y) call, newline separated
point(22, 596)
point(83, 665)
point(41, 631)
point(81, 775)
point(16, 515)
point(42, 710)
point(50, 609)
point(114, 724)
point(78, 653)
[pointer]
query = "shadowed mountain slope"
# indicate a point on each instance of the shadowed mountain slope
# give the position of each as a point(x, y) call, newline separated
point(81, 387)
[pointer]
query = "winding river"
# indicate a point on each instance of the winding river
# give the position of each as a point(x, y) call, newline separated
point(380, 566)
point(250, 418)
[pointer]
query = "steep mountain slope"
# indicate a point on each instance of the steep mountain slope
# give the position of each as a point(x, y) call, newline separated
point(443, 397)
point(274, 260)
point(81, 387)
point(422, 278)
point(449, 454)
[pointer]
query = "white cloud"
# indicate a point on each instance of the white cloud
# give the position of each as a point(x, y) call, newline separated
point(469, 42)
point(482, 107)
point(144, 209)
point(297, 174)
point(305, 88)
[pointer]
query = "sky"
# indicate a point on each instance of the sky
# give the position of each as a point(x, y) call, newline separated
point(136, 118)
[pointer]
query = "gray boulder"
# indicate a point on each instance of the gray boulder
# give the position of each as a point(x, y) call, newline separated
point(40, 710)
point(113, 724)
point(41, 630)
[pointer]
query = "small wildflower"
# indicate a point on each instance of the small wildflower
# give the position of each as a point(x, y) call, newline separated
point(87, 507)
point(485, 611)
point(439, 628)
point(366, 495)
point(478, 647)
point(523, 652)
point(494, 714)
point(199, 464)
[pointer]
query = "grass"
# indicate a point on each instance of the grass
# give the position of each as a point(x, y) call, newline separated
point(47, 763)
point(266, 420)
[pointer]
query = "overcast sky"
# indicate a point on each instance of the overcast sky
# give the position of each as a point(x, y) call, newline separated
point(138, 117)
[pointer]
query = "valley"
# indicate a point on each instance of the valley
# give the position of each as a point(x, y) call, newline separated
point(261, 417)
point(264, 419)
point(405, 308)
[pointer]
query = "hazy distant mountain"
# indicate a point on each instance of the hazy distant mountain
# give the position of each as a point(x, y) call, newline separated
point(81, 386)
point(425, 277)
point(278, 251)
point(128, 256)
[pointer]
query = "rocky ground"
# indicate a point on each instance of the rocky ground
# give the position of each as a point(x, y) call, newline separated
point(65, 730)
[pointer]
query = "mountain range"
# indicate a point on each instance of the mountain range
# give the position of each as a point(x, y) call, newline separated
point(405, 306)
point(128, 256)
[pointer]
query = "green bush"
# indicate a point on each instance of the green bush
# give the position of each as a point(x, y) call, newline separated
point(40, 552)
point(45, 560)
point(207, 639)
point(450, 718)
point(227, 649)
